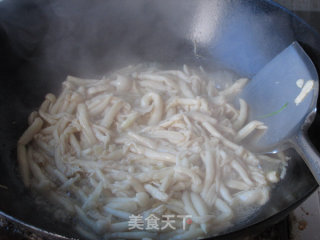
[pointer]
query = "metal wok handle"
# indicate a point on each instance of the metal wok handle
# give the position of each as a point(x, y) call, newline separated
point(307, 151)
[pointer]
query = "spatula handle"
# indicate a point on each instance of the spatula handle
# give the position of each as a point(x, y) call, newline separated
point(309, 153)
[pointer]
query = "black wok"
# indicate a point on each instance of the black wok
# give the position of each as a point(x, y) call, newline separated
point(43, 41)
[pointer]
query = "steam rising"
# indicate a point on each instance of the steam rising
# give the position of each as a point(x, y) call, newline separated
point(93, 37)
point(89, 38)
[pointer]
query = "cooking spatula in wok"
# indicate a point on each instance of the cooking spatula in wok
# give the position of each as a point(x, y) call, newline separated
point(282, 96)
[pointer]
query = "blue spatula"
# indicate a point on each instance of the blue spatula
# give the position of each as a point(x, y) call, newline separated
point(282, 96)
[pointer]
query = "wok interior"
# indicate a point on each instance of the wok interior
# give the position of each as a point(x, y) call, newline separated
point(90, 38)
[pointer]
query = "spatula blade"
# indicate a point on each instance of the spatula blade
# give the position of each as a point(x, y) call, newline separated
point(271, 95)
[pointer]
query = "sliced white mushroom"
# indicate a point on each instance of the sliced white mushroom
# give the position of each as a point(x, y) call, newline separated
point(155, 100)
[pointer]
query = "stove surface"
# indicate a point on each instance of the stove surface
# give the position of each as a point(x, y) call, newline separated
point(306, 218)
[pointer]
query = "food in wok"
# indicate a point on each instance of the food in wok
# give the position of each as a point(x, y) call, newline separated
point(148, 153)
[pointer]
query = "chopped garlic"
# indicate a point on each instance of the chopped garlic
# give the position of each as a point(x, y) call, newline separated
point(300, 83)
point(304, 92)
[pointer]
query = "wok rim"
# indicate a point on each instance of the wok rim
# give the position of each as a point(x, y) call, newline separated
point(237, 233)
